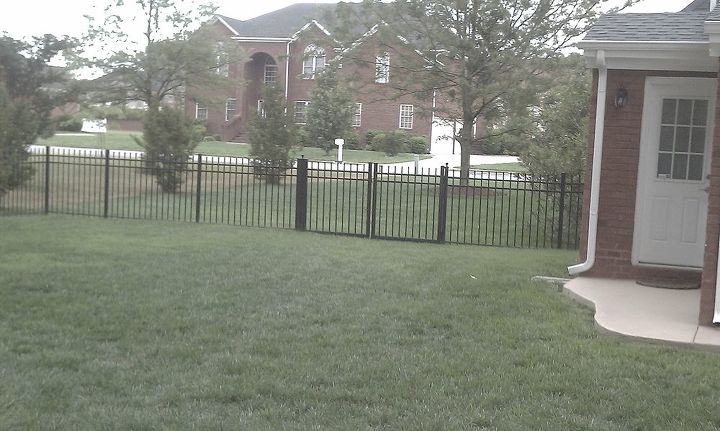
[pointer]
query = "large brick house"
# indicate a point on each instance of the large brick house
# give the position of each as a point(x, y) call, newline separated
point(287, 48)
point(652, 207)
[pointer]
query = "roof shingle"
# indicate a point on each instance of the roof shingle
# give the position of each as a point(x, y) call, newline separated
point(651, 27)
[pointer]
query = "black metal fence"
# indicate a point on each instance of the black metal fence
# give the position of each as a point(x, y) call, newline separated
point(368, 200)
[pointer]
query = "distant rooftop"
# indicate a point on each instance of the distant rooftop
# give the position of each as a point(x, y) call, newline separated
point(285, 22)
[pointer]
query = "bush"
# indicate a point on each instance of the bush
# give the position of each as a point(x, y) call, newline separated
point(272, 136)
point(68, 123)
point(371, 141)
point(417, 145)
point(352, 141)
point(169, 140)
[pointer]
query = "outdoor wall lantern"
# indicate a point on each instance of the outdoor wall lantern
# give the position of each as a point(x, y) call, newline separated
point(621, 98)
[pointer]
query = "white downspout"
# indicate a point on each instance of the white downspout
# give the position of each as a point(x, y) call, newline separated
point(287, 69)
point(596, 166)
point(716, 315)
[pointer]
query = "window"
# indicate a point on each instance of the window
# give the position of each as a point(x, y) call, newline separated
point(683, 131)
point(357, 115)
point(301, 111)
point(201, 111)
point(221, 59)
point(382, 68)
point(261, 107)
point(270, 74)
point(313, 61)
point(230, 106)
point(406, 116)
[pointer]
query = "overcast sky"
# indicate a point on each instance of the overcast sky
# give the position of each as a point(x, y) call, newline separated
point(24, 18)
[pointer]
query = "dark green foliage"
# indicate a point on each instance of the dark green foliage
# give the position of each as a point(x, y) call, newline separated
point(392, 143)
point(558, 142)
point(169, 140)
point(272, 136)
point(352, 141)
point(29, 89)
point(68, 123)
point(417, 145)
point(329, 114)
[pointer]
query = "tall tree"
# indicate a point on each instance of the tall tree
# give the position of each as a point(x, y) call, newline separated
point(329, 114)
point(272, 135)
point(29, 90)
point(156, 50)
point(480, 58)
point(175, 55)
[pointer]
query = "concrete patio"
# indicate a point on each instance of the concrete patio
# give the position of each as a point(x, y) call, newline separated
point(625, 308)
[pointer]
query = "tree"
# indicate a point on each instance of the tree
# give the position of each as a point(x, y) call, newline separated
point(174, 57)
point(29, 90)
point(480, 58)
point(169, 140)
point(558, 142)
point(272, 135)
point(329, 114)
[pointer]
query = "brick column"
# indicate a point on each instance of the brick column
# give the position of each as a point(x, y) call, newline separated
point(707, 289)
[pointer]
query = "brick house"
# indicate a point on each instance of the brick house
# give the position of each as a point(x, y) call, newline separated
point(286, 48)
point(652, 207)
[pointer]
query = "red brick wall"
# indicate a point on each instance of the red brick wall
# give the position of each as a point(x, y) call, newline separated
point(707, 289)
point(618, 181)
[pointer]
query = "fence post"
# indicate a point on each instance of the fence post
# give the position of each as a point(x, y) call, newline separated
point(370, 206)
point(301, 194)
point(198, 187)
point(47, 179)
point(562, 210)
point(107, 183)
point(442, 203)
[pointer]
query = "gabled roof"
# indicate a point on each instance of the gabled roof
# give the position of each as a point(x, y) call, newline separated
point(650, 27)
point(286, 22)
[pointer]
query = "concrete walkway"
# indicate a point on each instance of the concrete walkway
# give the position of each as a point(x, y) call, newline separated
point(625, 308)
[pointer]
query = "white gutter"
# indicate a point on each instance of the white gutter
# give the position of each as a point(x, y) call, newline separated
point(596, 166)
point(716, 316)
point(287, 69)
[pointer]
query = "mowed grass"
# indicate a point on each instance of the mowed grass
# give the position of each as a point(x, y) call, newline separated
point(108, 324)
point(118, 140)
point(500, 167)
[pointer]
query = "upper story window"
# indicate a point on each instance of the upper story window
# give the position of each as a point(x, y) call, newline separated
point(406, 116)
point(357, 115)
point(382, 68)
point(201, 111)
point(222, 68)
point(313, 61)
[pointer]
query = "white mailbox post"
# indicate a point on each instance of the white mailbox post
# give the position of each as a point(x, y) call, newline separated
point(340, 143)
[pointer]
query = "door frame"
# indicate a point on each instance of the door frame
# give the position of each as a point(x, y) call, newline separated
point(659, 87)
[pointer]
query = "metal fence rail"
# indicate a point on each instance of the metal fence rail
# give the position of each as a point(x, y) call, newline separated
point(369, 200)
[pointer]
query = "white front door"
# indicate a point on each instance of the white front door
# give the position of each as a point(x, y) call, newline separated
point(671, 203)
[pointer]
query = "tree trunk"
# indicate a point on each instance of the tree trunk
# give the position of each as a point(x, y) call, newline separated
point(466, 138)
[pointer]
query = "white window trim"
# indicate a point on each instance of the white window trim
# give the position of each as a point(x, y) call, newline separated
point(311, 54)
point(306, 103)
point(382, 61)
point(227, 102)
point(261, 107)
point(265, 73)
point(357, 114)
point(198, 109)
point(412, 117)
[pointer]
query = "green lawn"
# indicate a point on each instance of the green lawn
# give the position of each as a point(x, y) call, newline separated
point(116, 140)
point(108, 324)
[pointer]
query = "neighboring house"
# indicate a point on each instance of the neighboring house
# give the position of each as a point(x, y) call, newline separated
point(287, 48)
point(652, 208)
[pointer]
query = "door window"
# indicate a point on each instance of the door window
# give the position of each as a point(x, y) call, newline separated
point(683, 131)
